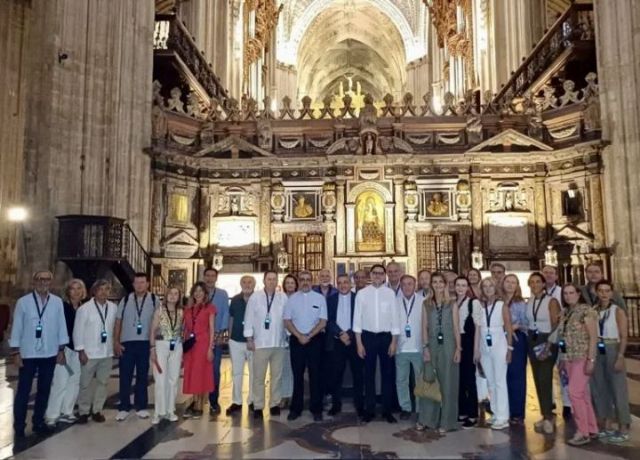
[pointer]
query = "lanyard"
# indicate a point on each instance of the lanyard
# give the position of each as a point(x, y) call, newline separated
point(555, 286)
point(536, 309)
point(488, 313)
point(602, 319)
point(139, 308)
point(173, 323)
point(404, 303)
point(44, 307)
point(269, 302)
point(213, 294)
point(566, 319)
point(106, 312)
point(194, 317)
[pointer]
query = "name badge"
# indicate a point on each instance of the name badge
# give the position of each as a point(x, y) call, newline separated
point(440, 338)
point(489, 340)
point(38, 331)
point(139, 328)
point(562, 345)
point(267, 322)
point(602, 348)
point(103, 337)
point(407, 331)
point(172, 344)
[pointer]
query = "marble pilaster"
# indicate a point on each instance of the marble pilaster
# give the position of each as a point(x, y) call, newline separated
point(340, 216)
point(398, 185)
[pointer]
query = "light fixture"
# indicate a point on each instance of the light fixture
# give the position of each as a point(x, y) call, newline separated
point(283, 259)
point(551, 256)
point(477, 258)
point(218, 260)
point(17, 214)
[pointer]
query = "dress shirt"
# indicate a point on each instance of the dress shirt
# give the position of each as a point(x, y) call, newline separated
point(220, 298)
point(396, 290)
point(305, 310)
point(88, 328)
point(128, 314)
point(411, 344)
point(376, 311)
point(26, 319)
point(343, 314)
point(254, 319)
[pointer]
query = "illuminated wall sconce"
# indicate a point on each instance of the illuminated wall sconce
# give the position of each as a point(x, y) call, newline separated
point(551, 256)
point(17, 214)
point(283, 259)
point(477, 258)
point(218, 260)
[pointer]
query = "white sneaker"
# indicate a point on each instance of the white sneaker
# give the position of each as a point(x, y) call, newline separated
point(500, 425)
point(172, 417)
point(156, 419)
point(142, 414)
point(122, 415)
point(50, 422)
point(548, 427)
point(68, 418)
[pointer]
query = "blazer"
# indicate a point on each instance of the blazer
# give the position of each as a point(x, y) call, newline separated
point(333, 330)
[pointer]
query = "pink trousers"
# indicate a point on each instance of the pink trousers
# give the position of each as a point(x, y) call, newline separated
point(580, 397)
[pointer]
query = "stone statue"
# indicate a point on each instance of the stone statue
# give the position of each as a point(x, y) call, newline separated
point(369, 233)
point(369, 144)
point(194, 109)
point(175, 103)
point(570, 95)
point(592, 101)
point(158, 99)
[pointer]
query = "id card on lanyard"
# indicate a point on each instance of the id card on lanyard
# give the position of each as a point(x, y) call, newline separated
point(267, 319)
point(103, 319)
point(407, 327)
point(139, 310)
point(488, 314)
point(40, 314)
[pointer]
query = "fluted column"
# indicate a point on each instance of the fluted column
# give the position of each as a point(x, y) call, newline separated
point(618, 32)
point(265, 218)
point(341, 223)
point(540, 211)
point(476, 211)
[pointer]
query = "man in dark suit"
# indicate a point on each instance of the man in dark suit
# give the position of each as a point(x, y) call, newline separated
point(341, 345)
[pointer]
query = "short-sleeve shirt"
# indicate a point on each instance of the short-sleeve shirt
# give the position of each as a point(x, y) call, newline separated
point(574, 332)
point(236, 311)
point(128, 313)
point(305, 310)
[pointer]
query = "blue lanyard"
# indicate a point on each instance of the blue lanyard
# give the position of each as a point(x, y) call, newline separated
point(404, 303)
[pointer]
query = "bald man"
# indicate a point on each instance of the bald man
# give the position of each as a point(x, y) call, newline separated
point(325, 277)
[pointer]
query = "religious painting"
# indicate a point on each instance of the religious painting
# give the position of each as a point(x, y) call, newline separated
point(437, 204)
point(370, 236)
point(236, 232)
point(303, 205)
point(179, 208)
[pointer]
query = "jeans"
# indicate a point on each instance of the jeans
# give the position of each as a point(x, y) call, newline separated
point(217, 360)
point(45, 368)
point(517, 375)
point(404, 363)
point(134, 357)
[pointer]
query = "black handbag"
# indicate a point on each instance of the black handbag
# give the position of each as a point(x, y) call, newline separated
point(188, 344)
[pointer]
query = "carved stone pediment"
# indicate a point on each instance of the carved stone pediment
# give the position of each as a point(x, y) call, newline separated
point(233, 144)
point(180, 245)
point(572, 232)
point(505, 140)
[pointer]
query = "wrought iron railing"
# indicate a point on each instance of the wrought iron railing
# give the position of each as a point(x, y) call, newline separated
point(574, 26)
point(171, 36)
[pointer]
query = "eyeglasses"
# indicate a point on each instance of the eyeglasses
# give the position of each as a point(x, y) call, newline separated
point(377, 273)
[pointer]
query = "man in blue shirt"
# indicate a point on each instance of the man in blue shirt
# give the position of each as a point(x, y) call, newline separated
point(325, 287)
point(220, 299)
point(38, 337)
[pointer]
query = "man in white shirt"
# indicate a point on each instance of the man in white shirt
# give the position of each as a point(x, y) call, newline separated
point(409, 309)
point(266, 337)
point(93, 333)
point(38, 337)
point(394, 273)
point(305, 317)
point(375, 323)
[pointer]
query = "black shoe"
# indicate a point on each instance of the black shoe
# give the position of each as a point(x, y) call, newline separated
point(468, 424)
point(275, 411)
point(98, 417)
point(257, 414)
point(405, 415)
point(214, 410)
point(251, 408)
point(389, 418)
point(335, 410)
point(83, 419)
point(317, 417)
point(293, 415)
point(19, 434)
point(196, 414)
point(234, 408)
point(367, 417)
point(42, 429)
point(566, 412)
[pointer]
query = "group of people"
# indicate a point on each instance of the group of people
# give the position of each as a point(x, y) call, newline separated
point(471, 336)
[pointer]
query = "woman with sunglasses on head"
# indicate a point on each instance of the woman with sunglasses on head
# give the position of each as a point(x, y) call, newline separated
point(468, 394)
point(493, 350)
point(441, 349)
point(166, 354)
point(543, 314)
point(577, 338)
point(289, 287)
point(517, 370)
point(199, 325)
point(609, 381)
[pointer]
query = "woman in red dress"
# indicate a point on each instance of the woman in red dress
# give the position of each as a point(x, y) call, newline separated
point(199, 320)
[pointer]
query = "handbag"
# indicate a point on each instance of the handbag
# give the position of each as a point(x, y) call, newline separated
point(427, 386)
point(188, 344)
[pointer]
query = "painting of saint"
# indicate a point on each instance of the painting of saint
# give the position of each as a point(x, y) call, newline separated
point(370, 235)
point(178, 208)
point(438, 206)
point(302, 208)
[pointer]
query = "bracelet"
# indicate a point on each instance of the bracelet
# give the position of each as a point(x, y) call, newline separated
point(510, 348)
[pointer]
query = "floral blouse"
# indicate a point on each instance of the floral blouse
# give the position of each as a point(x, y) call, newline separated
point(573, 331)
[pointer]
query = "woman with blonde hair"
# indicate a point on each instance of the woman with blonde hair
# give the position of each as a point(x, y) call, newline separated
point(493, 350)
point(517, 370)
point(166, 354)
point(66, 377)
point(441, 350)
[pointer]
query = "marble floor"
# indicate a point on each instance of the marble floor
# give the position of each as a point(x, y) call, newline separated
point(341, 437)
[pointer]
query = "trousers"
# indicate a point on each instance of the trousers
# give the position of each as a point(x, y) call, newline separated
point(135, 357)
point(166, 381)
point(92, 398)
point(274, 359)
point(239, 356)
point(65, 386)
point(44, 367)
point(580, 396)
point(494, 363)
point(376, 346)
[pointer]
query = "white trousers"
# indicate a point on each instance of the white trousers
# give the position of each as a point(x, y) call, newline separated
point(166, 383)
point(65, 387)
point(494, 363)
point(287, 375)
point(239, 356)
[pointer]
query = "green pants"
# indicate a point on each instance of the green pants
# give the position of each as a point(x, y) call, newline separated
point(442, 414)
point(404, 362)
point(543, 375)
point(609, 387)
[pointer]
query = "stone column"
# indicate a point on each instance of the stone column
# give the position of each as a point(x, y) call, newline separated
point(157, 215)
point(399, 217)
point(341, 223)
point(540, 211)
point(476, 211)
point(595, 206)
point(265, 219)
point(617, 32)
point(204, 225)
